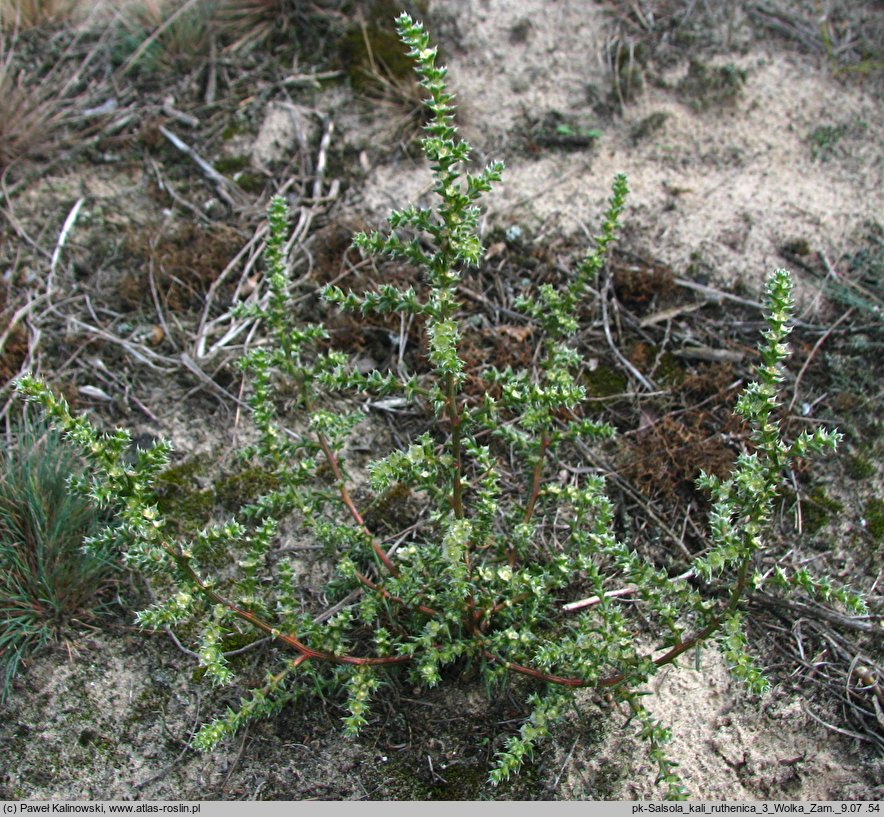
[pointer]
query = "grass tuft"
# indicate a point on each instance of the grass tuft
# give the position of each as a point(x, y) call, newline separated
point(249, 23)
point(29, 116)
point(160, 35)
point(47, 581)
point(19, 15)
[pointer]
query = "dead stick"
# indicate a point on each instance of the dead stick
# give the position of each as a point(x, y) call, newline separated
point(813, 352)
point(222, 183)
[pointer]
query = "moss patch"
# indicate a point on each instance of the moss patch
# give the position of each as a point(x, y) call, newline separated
point(648, 126)
point(229, 165)
point(823, 141)
point(604, 382)
point(181, 499)
point(858, 467)
point(708, 86)
point(405, 778)
point(874, 516)
point(244, 487)
point(373, 47)
point(818, 509)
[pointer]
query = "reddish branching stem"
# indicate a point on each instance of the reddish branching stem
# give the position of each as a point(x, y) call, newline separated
point(537, 475)
point(429, 611)
point(351, 507)
point(457, 469)
point(306, 653)
point(611, 680)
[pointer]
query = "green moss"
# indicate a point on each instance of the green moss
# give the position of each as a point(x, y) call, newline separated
point(874, 516)
point(398, 779)
point(824, 139)
point(180, 497)
point(183, 473)
point(858, 467)
point(95, 741)
point(818, 509)
point(707, 86)
point(244, 487)
point(251, 182)
point(228, 165)
point(797, 246)
point(231, 132)
point(237, 641)
point(648, 126)
point(238, 169)
point(670, 371)
point(192, 510)
point(374, 45)
point(153, 699)
point(604, 381)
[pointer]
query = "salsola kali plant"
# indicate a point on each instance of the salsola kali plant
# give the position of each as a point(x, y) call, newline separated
point(483, 582)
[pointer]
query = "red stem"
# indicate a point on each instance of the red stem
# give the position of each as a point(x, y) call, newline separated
point(537, 476)
point(455, 420)
point(535, 489)
point(388, 595)
point(289, 640)
point(611, 680)
point(351, 507)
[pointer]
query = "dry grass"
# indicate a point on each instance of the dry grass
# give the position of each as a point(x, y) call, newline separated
point(18, 15)
point(28, 114)
point(395, 92)
point(169, 34)
point(251, 22)
point(247, 24)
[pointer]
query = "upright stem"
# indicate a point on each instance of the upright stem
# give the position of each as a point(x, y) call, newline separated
point(342, 489)
point(454, 417)
point(537, 476)
point(351, 507)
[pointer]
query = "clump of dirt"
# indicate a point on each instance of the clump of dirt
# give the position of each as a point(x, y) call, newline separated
point(641, 285)
point(664, 459)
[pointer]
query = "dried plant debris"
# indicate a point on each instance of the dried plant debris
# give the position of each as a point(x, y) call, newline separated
point(849, 34)
point(20, 15)
point(29, 115)
point(179, 265)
